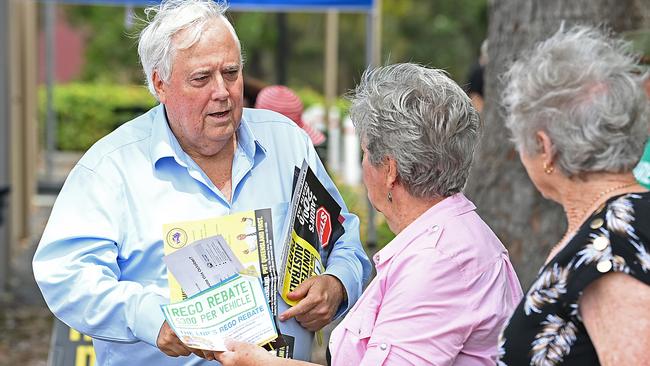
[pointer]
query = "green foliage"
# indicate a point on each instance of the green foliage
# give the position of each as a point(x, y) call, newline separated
point(111, 49)
point(640, 41)
point(311, 97)
point(355, 199)
point(444, 34)
point(87, 112)
point(258, 37)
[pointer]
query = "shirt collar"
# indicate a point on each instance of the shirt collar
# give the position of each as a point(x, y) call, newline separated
point(431, 220)
point(248, 142)
point(164, 143)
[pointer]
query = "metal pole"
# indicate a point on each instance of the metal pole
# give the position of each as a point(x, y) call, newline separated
point(5, 241)
point(282, 49)
point(373, 34)
point(331, 72)
point(49, 14)
point(373, 52)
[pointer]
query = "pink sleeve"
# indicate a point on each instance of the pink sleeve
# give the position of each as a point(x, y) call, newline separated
point(424, 316)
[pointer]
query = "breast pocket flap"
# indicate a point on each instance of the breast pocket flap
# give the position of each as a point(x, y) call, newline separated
point(361, 323)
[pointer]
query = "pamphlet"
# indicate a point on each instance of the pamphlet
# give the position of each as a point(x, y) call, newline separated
point(201, 253)
point(315, 225)
point(248, 236)
point(235, 308)
point(203, 264)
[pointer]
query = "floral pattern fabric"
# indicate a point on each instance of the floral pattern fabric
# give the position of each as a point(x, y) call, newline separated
point(546, 328)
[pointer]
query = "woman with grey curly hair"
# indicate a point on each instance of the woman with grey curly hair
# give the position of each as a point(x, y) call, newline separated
point(444, 285)
point(579, 119)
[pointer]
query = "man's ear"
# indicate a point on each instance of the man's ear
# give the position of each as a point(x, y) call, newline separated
point(159, 85)
point(390, 167)
point(546, 147)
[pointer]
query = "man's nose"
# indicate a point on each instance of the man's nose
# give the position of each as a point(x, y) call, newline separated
point(219, 89)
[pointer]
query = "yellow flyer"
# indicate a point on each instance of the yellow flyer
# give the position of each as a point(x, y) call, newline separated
point(315, 226)
point(303, 261)
point(249, 235)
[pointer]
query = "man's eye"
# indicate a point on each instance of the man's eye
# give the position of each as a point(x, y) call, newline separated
point(231, 74)
point(201, 78)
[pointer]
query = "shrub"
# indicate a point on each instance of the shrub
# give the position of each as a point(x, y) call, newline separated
point(310, 97)
point(87, 112)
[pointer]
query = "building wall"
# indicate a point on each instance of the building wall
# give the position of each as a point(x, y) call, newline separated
point(69, 51)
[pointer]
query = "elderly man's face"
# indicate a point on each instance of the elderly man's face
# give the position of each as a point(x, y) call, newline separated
point(204, 96)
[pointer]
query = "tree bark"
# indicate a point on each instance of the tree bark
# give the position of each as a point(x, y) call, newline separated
point(528, 224)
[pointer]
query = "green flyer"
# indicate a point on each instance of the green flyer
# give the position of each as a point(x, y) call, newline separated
point(235, 308)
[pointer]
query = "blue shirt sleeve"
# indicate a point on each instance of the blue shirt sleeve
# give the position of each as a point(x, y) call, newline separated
point(76, 265)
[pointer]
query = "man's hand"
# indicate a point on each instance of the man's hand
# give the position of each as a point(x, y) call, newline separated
point(169, 343)
point(320, 297)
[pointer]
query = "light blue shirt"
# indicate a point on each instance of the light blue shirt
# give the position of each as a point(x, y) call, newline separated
point(99, 263)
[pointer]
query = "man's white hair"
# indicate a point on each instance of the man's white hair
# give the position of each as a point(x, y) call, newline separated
point(157, 45)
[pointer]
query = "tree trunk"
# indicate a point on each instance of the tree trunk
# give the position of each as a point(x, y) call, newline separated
point(527, 223)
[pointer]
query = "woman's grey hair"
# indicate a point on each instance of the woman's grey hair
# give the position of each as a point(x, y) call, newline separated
point(423, 120)
point(157, 45)
point(584, 89)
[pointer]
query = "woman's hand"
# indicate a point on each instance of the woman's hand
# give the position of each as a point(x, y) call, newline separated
point(244, 354)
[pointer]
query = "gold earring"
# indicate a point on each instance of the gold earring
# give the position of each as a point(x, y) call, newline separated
point(548, 168)
point(390, 196)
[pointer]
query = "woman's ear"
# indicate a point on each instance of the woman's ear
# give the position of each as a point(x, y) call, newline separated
point(546, 147)
point(390, 169)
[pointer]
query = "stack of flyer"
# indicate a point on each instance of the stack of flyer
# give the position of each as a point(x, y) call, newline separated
point(315, 225)
point(222, 272)
point(234, 308)
point(222, 288)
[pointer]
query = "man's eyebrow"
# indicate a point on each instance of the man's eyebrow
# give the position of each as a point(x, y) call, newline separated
point(233, 67)
point(200, 71)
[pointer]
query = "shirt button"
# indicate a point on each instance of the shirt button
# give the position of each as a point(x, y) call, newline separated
point(604, 266)
point(376, 258)
point(383, 346)
point(596, 223)
point(434, 228)
point(600, 243)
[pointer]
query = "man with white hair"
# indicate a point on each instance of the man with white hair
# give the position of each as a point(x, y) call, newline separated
point(198, 154)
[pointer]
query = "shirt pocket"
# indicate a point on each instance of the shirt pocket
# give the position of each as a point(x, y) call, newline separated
point(360, 326)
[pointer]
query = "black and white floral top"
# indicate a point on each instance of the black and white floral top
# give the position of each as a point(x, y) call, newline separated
point(546, 328)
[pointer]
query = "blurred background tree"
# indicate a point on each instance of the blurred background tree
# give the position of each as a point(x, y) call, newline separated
point(111, 54)
point(525, 222)
point(444, 34)
point(277, 47)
